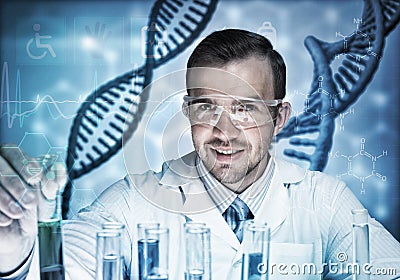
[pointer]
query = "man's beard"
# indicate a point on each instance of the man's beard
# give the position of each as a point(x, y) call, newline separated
point(230, 173)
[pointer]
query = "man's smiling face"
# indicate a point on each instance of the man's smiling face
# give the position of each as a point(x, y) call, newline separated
point(235, 156)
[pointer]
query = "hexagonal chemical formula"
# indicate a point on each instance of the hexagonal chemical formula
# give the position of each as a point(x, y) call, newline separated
point(356, 165)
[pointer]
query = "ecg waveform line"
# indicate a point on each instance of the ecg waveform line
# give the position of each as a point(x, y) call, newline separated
point(18, 114)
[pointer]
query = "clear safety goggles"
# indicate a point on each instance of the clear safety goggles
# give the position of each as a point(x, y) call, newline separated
point(243, 112)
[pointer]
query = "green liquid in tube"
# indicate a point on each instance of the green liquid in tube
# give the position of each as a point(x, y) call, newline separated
point(50, 250)
point(49, 234)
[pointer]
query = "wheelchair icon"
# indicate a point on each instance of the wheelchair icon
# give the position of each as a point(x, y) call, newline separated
point(38, 45)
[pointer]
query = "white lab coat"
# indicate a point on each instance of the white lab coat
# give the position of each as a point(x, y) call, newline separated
point(308, 213)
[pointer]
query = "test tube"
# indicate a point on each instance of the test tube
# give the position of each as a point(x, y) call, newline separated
point(156, 250)
point(108, 256)
point(194, 224)
point(117, 227)
point(256, 238)
point(51, 250)
point(198, 253)
point(113, 226)
point(49, 225)
point(360, 243)
point(151, 248)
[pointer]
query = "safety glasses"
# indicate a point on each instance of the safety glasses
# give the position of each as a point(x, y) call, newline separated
point(243, 112)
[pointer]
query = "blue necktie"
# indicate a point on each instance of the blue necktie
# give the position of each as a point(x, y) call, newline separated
point(236, 214)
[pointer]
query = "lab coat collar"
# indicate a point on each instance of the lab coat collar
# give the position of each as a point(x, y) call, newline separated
point(181, 171)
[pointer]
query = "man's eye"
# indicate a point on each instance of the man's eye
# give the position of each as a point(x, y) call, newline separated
point(205, 107)
point(245, 108)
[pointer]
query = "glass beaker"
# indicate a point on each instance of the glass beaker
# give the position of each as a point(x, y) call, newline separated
point(152, 247)
point(198, 253)
point(117, 227)
point(108, 255)
point(256, 237)
point(156, 251)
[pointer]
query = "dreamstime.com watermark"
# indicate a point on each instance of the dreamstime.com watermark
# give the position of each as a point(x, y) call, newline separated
point(341, 267)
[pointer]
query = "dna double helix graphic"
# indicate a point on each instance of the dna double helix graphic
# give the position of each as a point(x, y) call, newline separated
point(333, 91)
point(111, 113)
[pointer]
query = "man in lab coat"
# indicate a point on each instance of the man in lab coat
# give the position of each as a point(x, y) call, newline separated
point(235, 84)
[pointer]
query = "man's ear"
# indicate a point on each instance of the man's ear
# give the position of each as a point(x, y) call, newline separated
point(283, 116)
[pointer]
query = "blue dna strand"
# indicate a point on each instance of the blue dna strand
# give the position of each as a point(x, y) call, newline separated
point(111, 113)
point(333, 91)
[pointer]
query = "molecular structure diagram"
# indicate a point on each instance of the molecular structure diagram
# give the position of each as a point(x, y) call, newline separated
point(356, 57)
point(366, 157)
point(322, 91)
point(342, 117)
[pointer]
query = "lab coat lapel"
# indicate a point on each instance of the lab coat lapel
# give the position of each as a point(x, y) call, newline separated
point(273, 210)
point(202, 209)
point(197, 204)
point(276, 205)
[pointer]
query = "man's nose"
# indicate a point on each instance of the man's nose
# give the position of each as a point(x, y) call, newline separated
point(225, 128)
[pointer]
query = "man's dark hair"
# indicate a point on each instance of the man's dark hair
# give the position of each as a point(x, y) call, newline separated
point(222, 47)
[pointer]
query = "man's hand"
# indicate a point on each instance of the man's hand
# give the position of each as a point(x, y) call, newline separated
point(24, 184)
